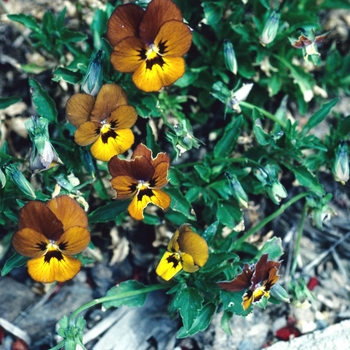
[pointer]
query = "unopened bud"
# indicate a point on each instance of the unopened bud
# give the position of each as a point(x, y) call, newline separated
point(237, 190)
point(341, 164)
point(270, 29)
point(92, 80)
point(230, 57)
point(20, 181)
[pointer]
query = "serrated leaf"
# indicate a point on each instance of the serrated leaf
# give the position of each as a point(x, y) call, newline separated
point(216, 259)
point(179, 202)
point(319, 116)
point(27, 20)
point(189, 302)
point(232, 302)
point(8, 101)
point(126, 294)
point(70, 36)
point(44, 104)
point(16, 260)
point(228, 141)
point(109, 211)
point(200, 323)
point(203, 171)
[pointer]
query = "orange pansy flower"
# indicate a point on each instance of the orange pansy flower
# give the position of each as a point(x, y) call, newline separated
point(50, 233)
point(141, 178)
point(149, 43)
point(259, 278)
point(104, 121)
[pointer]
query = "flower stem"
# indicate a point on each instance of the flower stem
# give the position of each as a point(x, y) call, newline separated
point(297, 243)
point(117, 297)
point(263, 112)
point(265, 221)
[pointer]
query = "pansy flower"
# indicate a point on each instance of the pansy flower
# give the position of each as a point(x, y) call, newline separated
point(104, 121)
point(258, 279)
point(149, 43)
point(186, 251)
point(142, 179)
point(50, 234)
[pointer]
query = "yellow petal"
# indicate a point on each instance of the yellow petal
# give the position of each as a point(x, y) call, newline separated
point(152, 75)
point(53, 266)
point(68, 211)
point(29, 243)
point(174, 39)
point(87, 133)
point(125, 186)
point(247, 299)
point(188, 263)
point(124, 117)
point(193, 244)
point(127, 55)
point(173, 245)
point(143, 198)
point(74, 240)
point(78, 108)
point(106, 147)
point(168, 266)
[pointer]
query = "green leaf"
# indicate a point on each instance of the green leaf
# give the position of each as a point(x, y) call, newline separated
point(261, 136)
point(44, 104)
point(28, 21)
point(228, 141)
point(210, 232)
point(204, 172)
point(16, 260)
point(108, 212)
point(228, 213)
point(70, 76)
point(343, 127)
point(189, 302)
point(307, 179)
point(232, 302)
point(319, 116)
point(200, 323)
point(8, 101)
point(225, 322)
point(273, 247)
point(70, 36)
point(217, 259)
point(213, 12)
point(33, 68)
point(179, 203)
point(126, 293)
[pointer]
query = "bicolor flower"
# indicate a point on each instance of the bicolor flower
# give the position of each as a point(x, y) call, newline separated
point(150, 44)
point(141, 179)
point(258, 279)
point(186, 251)
point(50, 234)
point(104, 121)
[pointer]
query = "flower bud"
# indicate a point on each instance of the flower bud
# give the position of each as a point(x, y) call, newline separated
point(341, 164)
point(43, 155)
point(238, 96)
point(270, 29)
point(20, 181)
point(276, 192)
point(93, 78)
point(230, 57)
point(237, 190)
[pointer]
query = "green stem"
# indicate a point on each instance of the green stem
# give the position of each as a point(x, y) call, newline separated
point(297, 243)
point(265, 221)
point(263, 112)
point(119, 296)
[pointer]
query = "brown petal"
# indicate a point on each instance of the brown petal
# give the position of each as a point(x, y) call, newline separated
point(108, 99)
point(68, 211)
point(37, 216)
point(124, 22)
point(262, 269)
point(78, 108)
point(241, 282)
point(157, 13)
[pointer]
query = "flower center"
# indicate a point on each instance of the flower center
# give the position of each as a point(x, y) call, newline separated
point(105, 128)
point(152, 52)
